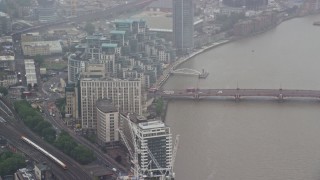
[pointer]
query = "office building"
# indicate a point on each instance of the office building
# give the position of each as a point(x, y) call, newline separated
point(76, 64)
point(71, 107)
point(183, 25)
point(8, 78)
point(46, 12)
point(124, 94)
point(155, 136)
point(42, 171)
point(107, 122)
point(41, 48)
point(5, 23)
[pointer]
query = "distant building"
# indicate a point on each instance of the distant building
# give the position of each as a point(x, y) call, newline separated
point(30, 37)
point(41, 48)
point(8, 78)
point(30, 72)
point(42, 171)
point(160, 6)
point(183, 12)
point(76, 64)
point(107, 122)
point(248, 4)
point(5, 23)
point(46, 12)
point(7, 55)
point(24, 174)
point(71, 107)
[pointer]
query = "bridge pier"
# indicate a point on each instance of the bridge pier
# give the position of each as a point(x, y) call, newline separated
point(237, 97)
point(280, 97)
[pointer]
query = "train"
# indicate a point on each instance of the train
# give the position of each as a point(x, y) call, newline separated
point(56, 160)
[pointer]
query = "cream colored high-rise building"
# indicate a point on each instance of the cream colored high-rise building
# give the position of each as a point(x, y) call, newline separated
point(107, 122)
point(124, 94)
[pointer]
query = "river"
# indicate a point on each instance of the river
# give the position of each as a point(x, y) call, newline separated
point(254, 139)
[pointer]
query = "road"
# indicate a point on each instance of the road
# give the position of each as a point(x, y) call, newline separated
point(14, 129)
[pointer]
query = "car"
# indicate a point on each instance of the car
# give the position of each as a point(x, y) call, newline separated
point(219, 92)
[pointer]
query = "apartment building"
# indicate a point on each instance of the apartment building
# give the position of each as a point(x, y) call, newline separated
point(124, 94)
point(107, 122)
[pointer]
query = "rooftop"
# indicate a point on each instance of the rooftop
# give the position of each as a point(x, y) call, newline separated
point(106, 106)
point(117, 32)
point(2, 14)
point(151, 124)
point(42, 43)
point(161, 4)
point(124, 21)
point(109, 45)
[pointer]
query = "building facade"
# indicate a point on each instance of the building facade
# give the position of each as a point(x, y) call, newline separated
point(183, 12)
point(41, 48)
point(5, 23)
point(107, 122)
point(124, 94)
point(154, 137)
point(71, 107)
point(30, 72)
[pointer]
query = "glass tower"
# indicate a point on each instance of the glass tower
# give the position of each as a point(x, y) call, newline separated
point(183, 25)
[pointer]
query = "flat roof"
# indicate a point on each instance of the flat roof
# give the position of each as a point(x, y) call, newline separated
point(106, 106)
point(152, 124)
point(109, 45)
point(124, 21)
point(6, 58)
point(42, 43)
point(117, 32)
point(160, 30)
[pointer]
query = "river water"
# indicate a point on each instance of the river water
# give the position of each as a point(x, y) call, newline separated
point(254, 139)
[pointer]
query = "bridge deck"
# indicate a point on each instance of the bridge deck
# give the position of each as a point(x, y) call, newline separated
point(237, 93)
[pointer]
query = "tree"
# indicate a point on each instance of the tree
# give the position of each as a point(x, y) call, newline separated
point(89, 28)
point(39, 59)
point(49, 134)
point(159, 106)
point(10, 162)
point(4, 90)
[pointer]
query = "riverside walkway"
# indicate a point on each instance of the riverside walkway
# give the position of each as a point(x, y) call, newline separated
point(238, 93)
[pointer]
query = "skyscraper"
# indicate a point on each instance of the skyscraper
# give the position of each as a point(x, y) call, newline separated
point(183, 25)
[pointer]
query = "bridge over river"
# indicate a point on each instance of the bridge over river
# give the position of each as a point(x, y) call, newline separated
point(238, 93)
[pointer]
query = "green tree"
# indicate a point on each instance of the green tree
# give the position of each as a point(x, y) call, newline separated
point(3, 90)
point(10, 162)
point(89, 28)
point(82, 154)
point(39, 59)
point(49, 134)
point(40, 126)
point(159, 106)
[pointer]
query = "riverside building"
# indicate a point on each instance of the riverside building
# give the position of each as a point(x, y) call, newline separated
point(155, 136)
point(183, 25)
